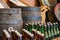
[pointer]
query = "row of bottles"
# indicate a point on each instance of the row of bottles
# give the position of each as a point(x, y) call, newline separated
point(34, 31)
point(50, 30)
point(11, 35)
point(34, 35)
point(26, 35)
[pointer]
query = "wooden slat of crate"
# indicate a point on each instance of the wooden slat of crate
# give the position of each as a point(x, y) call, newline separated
point(4, 4)
point(17, 3)
point(31, 3)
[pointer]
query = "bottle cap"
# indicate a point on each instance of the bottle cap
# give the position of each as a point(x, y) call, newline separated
point(26, 24)
point(51, 24)
point(30, 23)
point(40, 24)
point(10, 29)
point(35, 23)
point(54, 23)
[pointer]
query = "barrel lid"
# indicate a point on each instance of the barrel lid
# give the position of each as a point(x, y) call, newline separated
point(57, 11)
point(28, 8)
point(10, 10)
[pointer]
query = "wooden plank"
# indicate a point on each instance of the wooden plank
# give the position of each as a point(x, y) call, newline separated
point(31, 3)
point(17, 3)
point(4, 4)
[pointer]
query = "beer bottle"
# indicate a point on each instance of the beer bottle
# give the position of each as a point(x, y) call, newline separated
point(55, 30)
point(49, 30)
point(57, 25)
point(52, 31)
point(38, 35)
point(38, 26)
point(15, 35)
point(26, 26)
point(33, 31)
point(42, 29)
point(12, 33)
point(39, 29)
point(46, 32)
point(35, 26)
point(18, 36)
point(6, 35)
point(42, 37)
point(30, 27)
point(27, 35)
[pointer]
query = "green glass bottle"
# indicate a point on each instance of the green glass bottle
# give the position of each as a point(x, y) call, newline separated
point(38, 26)
point(57, 25)
point(35, 26)
point(30, 27)
point(49, 30)
point(42, 29)
point(46, 33)
point(26, 26)
point(55, 30)
point(52, 31)
point(39, 29)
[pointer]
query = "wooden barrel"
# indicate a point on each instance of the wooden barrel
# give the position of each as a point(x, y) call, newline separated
point(10, 18)
point(30, 14)
point(49, 2)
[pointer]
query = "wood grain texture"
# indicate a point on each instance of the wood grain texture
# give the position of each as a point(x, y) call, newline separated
point(5, 5)
point(31, 3)
point(18, 3)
